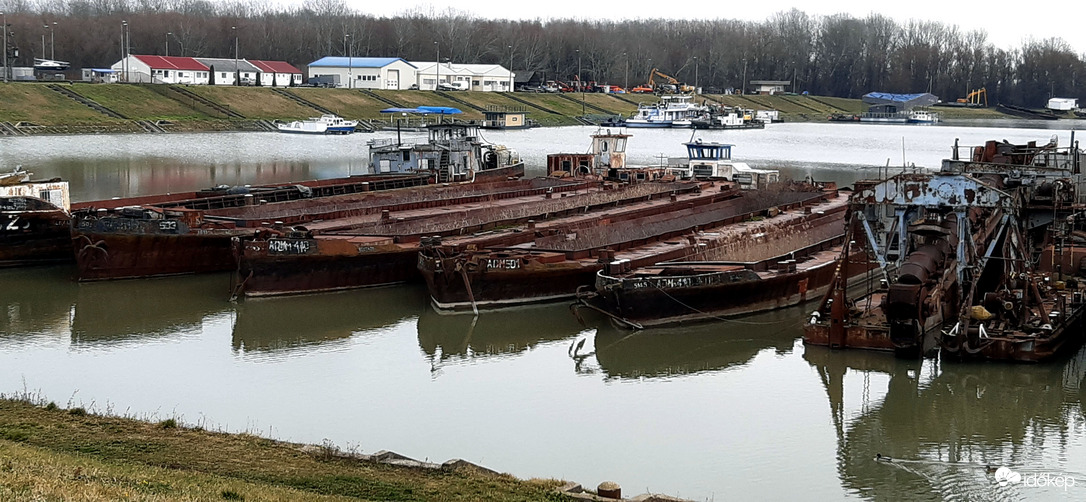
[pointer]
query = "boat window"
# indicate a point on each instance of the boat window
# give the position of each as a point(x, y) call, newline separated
point(603, 146)
point(406, 155)
point(620, 145)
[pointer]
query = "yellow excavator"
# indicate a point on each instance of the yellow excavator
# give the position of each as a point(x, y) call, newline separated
point(670, 85)
point(974, 98)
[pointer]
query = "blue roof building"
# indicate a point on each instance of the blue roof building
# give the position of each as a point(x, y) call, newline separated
point(365, 72)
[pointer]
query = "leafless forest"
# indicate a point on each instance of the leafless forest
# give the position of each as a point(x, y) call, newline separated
point(837, 55)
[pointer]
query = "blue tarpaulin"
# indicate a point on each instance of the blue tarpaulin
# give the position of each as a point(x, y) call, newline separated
point(440, 110)
point(906, 101)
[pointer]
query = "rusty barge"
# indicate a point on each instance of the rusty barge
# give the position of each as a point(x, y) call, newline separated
point(977, 261)
point(673, 293)
point(34, 220)
point(554, 267)
point(362, 252)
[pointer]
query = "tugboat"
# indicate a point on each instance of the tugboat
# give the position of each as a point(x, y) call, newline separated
point(34, 220)
point(453, 153)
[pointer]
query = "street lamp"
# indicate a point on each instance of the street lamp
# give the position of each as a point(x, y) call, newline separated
point(168, 33)
point(743, 86)
point(5, 16)
point(237, 71)
point(580, 84)
point(124, 51)
point(627, 86)
point(347, 49)
point(695, 74)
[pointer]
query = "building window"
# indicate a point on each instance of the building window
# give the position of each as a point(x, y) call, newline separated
point(166, 73)
point(474, 82)
point(224, 74)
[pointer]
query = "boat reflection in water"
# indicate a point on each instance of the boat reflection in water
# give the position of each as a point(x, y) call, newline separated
point(684, 350)
point(947, 428)
point(294, 323)
point(33, 311)
point(450, 339)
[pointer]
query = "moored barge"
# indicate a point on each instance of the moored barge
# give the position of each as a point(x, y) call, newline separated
point(976, 260)
point(555, 267)
point(363, 252)
point(34, 220)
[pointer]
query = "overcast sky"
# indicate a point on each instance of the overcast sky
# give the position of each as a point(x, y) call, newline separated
point(1007, 23)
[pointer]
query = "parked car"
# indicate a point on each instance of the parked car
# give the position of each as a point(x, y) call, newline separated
point(452, 86)
point(530, 88)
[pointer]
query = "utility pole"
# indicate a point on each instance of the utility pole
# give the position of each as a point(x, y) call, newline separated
point(168, 33)
point(743, 85)
point(695, 74)
point(626, 87)
point(124, 51)
point(347, 49)
point(5, 16)
point(437, 67)
point(580, 83)
point(237, 69)
point(52, 41)
point(511, 68)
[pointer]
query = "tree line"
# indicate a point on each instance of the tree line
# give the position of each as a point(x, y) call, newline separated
point(838, 55)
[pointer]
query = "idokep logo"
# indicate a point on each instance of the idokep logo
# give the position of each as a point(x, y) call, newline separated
point(1005, 476)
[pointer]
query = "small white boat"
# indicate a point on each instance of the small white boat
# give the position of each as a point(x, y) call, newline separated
point(337, 124)
point(304, 127)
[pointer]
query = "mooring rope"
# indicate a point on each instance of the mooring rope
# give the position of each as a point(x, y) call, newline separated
point(718, 318)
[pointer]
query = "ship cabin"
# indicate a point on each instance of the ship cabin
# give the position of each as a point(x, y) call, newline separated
point(710, 160)
point(452, 152)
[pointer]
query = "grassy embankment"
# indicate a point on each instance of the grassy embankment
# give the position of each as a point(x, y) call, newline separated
point(38, 104)
point(48, 453)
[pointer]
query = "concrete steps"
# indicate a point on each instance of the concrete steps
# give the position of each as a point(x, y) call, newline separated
point(85, 101)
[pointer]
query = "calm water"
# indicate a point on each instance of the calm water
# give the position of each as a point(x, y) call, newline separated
point(726, 410)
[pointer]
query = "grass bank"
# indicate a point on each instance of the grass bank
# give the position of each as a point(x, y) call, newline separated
point(49, 453)
point(38, 108)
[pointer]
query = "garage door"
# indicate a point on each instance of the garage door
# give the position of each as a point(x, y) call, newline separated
point(393, 80)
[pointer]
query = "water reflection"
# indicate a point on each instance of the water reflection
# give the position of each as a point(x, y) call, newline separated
point(283, 325)
point(141, 310)
point(945, 424)
point(450, 338)
point(35, 301)
point(692, 349)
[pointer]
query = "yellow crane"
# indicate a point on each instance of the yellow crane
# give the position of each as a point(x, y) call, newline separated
point(672, 84)
point(975, 97)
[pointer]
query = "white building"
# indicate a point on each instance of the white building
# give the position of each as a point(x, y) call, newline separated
point(198, 71)
point(160, 70)
point(475, 77)
point(366, 72)
point(1063, 104)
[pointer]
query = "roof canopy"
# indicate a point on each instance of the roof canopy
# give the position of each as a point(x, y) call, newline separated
point(905, 101)
point(352, 62)
point(424, 110)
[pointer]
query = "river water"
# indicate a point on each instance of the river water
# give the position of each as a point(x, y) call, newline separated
point(736, 409)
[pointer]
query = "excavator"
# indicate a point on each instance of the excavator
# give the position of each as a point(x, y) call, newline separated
point(670, 85)
point(973, 99)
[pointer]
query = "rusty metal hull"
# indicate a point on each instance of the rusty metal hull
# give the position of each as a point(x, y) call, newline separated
point(34, 237)
point(360, 253)
point(128, 256)
point(556, 267)
point(264, 274)
point(503, 287)
point(662, 300)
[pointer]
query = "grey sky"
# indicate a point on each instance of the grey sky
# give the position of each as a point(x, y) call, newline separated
point(1007, 25)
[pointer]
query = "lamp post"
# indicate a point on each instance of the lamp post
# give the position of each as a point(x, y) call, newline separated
point(347, 49)
point(743, 85)
point(124, 51)
point(52, 41)
point(695, 74)
point(627, 83)
point(437, 67)
point(5, 16)
point(580, 84)
point(237, 70)
point(168, 33)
